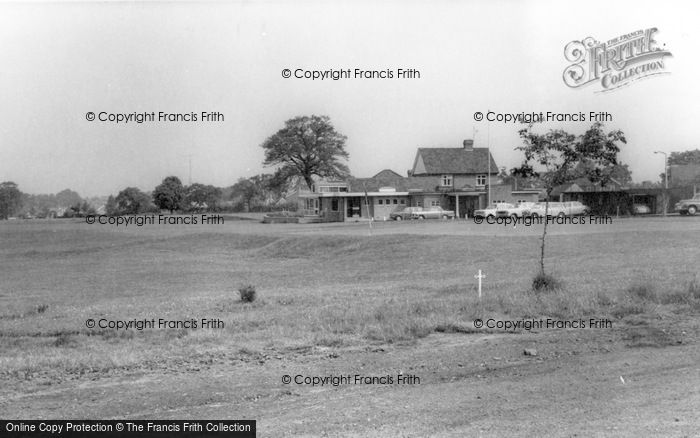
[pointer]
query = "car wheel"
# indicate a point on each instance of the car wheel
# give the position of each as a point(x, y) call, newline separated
point(561, 215)
point(491, 217)
point(421, 217)
point(398, 218)
point(535, 216)
point(514, 217)
point(692, 210)
point(444, 217)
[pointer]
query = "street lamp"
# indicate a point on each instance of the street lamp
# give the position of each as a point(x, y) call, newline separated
point(665, 178)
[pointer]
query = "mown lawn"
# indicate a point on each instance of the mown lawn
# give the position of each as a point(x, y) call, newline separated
point(333, 286)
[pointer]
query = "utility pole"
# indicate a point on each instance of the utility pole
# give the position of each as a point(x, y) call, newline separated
point(665, 179)
point(189, 179)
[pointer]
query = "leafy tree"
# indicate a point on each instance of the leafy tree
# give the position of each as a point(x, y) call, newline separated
point(131, 200)
point(66, 198)
point(245, 190)
point(10, 199)
point(200, 197)
point(618, 172)
point(168, 195)
point(687, 157)
point(561, 158)
point(307, 146)
point(111, 208)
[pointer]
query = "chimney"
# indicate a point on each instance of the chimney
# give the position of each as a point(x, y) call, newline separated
point(468, 144)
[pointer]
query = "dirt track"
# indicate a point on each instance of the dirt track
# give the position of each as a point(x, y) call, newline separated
point(641, 378)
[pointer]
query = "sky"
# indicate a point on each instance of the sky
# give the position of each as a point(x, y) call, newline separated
point(60, 61)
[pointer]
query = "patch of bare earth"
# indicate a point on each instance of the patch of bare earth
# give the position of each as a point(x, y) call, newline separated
point(640, 378)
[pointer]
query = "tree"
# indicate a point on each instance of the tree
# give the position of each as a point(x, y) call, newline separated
point(67, 198)
point(245, 190)
point(168, 195)
point(307, 146)
point(687, 157)
point(562, 158)
point(619, 172)
point(131, 200)
point(111, 207)
point(10, 199)
point(200, 197)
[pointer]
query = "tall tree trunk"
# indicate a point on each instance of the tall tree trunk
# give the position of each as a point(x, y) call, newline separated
point(309, 182)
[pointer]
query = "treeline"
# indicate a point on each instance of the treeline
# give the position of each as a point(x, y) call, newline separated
point(258, 193)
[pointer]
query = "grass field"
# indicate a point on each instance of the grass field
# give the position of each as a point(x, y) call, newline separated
point(331, 286)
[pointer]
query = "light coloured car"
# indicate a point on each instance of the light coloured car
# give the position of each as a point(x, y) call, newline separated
point(554, 209)
point(405, 213)
point(575, 208)
point(434, 213)
point(491, 212)
point(521, 210)
point(641, 209)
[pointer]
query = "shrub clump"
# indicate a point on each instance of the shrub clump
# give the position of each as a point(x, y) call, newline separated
point(247, 293)
point(545, 283)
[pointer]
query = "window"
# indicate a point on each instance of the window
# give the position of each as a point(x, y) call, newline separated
point(396, 201)
point(380, 201)
point(446, 180)
point(388, 201)
point(434, 203)
point(334, 204)
point(499, 201)
point(481, 180)
point(403, 202)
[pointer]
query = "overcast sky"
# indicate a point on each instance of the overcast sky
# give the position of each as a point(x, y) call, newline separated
point(59, 61)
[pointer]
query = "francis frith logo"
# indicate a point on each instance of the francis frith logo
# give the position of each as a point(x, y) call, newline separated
point(616, 62)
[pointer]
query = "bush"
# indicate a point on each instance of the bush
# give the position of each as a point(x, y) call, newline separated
point(545, 283)
point(247, 293)
point(644, 291)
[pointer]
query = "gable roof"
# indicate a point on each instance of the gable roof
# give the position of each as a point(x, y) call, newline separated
point(387, 173)
point(433, 161)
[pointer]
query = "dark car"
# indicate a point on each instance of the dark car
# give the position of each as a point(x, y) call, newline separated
point(689, 206)
point(434, 213)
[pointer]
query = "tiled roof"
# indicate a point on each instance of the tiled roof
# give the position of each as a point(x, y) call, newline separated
point(387, 173)
point(453, 161)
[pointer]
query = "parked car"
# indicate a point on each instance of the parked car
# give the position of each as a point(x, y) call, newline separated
point(641, 209)
point(405, 213)
point(554, 209)
point(434, 213)
point(491, 211)
point(521, 210)
point(575, 208)
point(688, 206)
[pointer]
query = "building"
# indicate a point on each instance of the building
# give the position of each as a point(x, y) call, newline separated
point(683, 174)
point(461, 179)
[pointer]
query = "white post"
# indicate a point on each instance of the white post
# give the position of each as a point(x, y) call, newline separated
point(479, 276)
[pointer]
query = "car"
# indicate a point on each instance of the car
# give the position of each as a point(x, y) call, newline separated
point(521, 210)
point(641, 209)
point(491, 211)
point(688, 206)
point(434, 213)
point(554, 209)
point(575, 208)
point(405, 213)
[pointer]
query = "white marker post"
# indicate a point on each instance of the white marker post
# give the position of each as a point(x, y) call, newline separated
point(479, 276)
